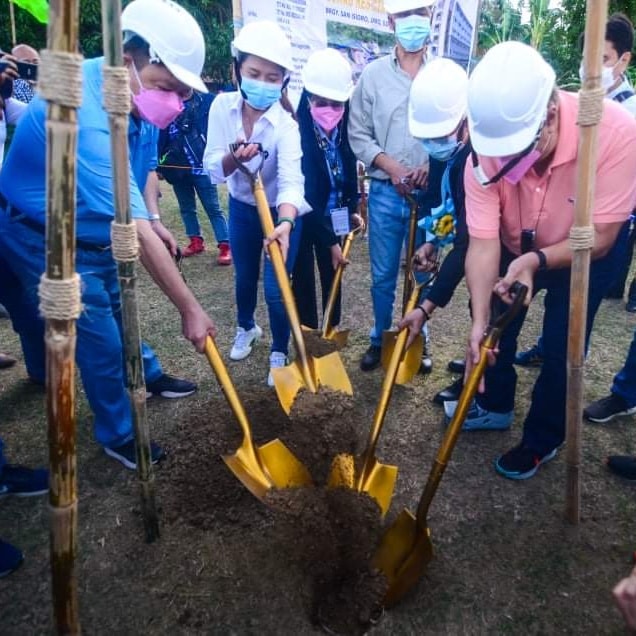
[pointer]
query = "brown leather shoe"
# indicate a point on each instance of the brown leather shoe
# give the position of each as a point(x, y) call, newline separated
point(6, 361)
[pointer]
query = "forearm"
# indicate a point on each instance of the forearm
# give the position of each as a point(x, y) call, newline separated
point(287, 211)
point(157, 260)
point(151, 194)
point(450, 275)
point(482, 271)
point(386, 163)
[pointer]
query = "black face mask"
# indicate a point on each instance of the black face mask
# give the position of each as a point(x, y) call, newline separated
point(6, 90)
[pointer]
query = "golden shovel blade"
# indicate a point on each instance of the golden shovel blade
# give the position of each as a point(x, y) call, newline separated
point(402, 556)
point(328, 371)
point(379, 483)
point(339, 336)
point(411, 360)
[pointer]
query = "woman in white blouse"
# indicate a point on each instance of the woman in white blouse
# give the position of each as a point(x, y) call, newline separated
point(258, 114)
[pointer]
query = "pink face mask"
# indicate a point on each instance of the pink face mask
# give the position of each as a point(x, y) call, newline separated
point(157, 107)
point(514, 175)
point(327, 117)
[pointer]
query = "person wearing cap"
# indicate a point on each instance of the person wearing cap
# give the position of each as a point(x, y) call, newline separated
point(259, 118)
point(164, 58)
point(520, 189)
point(437, 117)
point(395, 160)
point(330, 173)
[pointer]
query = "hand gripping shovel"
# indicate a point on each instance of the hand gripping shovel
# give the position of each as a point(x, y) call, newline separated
point(406, 549)
point(259, 468)
point(306, 371)
point(338, 336)
point(368, 474)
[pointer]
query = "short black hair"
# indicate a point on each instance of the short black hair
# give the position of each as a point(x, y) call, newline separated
point(620, 32)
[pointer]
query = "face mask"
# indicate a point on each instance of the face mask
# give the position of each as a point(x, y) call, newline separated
point(442, 149)
point(515, 174)
point(607, 76)
point(157, 107)
point(260, 95)
point(412, 32)
point(327, 117)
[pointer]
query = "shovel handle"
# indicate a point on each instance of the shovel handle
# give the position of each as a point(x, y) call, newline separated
point(282, 278)
point(410, 251)
point(335, 285)
point(388, 383)
point(229, 391)
point(491, 338)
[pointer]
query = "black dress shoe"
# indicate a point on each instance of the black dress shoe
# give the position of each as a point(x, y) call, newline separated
point(450, 393)
point(457, 366)
point(372, 358)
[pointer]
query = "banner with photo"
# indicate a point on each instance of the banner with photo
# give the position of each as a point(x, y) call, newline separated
point(359, 29)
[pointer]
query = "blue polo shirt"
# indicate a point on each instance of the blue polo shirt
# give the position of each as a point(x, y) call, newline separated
point(23, 182)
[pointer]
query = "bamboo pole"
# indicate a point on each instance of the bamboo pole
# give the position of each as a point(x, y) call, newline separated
point(60, 84)
point(116, 93)
point(581, 241)
point(14, 40)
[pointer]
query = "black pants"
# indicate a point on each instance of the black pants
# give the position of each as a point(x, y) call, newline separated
point(617, 288)
point(304, 281)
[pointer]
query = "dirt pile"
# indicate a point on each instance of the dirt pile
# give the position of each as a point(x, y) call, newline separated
point(317, 346)
point(332, 535)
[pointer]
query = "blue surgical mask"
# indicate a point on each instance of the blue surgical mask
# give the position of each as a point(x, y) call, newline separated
point(260, 95)
point(443, 149)
point(412, 32)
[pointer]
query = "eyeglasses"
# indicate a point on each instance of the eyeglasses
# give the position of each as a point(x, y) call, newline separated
point(321, 102)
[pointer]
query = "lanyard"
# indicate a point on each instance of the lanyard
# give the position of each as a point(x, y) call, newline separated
point(334, 163)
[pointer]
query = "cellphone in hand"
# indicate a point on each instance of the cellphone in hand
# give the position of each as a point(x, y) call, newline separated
point(27, 71)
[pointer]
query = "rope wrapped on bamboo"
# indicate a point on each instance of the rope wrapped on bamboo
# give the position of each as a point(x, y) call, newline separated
point(581, 238)
point(123, 237)
point(116, 90)
point(60, 299)
point(590, 106)
point(60, 78)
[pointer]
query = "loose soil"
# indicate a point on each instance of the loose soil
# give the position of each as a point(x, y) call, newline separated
point(505, 561)
point(318, 346)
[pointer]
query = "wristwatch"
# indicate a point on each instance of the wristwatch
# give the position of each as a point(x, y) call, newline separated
point(543, 261)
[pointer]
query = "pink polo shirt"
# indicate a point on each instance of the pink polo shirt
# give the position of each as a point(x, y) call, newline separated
point(546, 203)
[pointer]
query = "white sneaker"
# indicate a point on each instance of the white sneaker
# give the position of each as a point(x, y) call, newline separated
point(244, 341)
point(276, 361)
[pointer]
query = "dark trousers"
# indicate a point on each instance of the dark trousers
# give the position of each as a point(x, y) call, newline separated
point(544, 426)
point(304, 281)
point(617, 287)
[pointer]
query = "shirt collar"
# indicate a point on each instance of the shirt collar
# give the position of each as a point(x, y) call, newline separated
point(623, 86)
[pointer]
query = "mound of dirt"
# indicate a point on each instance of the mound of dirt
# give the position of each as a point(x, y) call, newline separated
point(332, 534)
point(317, 346)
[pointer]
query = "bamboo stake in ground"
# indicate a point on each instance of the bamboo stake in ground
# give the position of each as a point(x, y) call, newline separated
point(116, 93)
point(581, 241)
point(60, 83)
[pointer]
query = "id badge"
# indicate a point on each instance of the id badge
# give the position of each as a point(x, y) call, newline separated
point(340, 221)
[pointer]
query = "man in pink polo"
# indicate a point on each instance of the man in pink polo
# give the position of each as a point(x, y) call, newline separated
point(520, 189)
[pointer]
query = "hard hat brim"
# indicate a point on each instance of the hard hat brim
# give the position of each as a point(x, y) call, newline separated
point(334, 95)
point(503, 146)
point(433, 131)
point(186, 77)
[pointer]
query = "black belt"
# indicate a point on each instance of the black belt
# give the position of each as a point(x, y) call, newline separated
point(16, 213)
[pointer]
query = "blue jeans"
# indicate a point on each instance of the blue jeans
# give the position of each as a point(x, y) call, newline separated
point(544, 426)
point(388, 230)
point(246, 239)
point(99, 351)
point(625, 380)
point(184, 191)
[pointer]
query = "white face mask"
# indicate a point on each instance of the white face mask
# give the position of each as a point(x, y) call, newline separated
point(607, 76)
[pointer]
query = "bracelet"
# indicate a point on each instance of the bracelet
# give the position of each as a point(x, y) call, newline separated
point(154, 217)
point(427, 316)
point(287, 219)
point(543, 261)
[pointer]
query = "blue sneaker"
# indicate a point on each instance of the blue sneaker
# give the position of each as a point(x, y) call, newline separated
point(10, 558)
point(532, 357)
point(479, 419)
point(522, 462)
point(23, 482)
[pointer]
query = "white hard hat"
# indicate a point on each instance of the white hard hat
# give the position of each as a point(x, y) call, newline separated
point(264, 39)
point(508, 95)
point(174, 36)
point(398, 6)
point(437, 102)
point(328, 75)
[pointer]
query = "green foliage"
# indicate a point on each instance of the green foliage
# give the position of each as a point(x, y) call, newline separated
point(214, 16)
